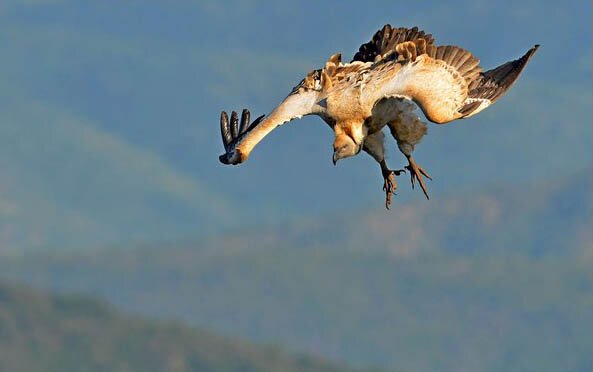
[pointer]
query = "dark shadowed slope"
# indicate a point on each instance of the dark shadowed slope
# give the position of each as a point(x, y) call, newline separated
point(41, 332)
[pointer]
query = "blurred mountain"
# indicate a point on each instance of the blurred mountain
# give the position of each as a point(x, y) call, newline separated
point(491, 280)
point(108, 115)
point(65, 182)
point(41, 332)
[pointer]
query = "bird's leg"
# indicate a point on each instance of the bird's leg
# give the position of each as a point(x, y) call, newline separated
point(416, 173)
point(389, 184)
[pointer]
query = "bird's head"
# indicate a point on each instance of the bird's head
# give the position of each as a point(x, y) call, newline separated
point(344, 147)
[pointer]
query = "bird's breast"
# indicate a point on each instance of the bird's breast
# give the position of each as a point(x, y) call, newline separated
point(346, 105)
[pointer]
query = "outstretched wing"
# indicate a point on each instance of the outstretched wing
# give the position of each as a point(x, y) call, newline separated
point(493, 84)
point(240, 139)
point(384, 41)
point(436, 78)
point(441, 80)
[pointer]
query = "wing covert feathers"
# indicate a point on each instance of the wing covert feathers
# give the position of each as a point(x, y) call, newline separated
point(385, 40)
point(435, 77)
point(448, 82)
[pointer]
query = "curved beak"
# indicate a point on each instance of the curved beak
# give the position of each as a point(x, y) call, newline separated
point(335, 158)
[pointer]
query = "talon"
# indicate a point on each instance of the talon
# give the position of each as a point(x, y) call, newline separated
point(424, 173)
point(389, 185)
point(416, 173)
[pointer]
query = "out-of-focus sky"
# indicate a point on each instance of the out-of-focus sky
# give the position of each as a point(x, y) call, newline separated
point(109, 112)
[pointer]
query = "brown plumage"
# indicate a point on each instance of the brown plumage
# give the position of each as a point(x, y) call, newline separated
point(376, 89)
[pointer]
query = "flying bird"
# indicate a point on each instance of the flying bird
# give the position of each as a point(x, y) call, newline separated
point(398, 70)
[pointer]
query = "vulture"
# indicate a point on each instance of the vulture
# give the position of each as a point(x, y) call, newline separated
point(399, 69)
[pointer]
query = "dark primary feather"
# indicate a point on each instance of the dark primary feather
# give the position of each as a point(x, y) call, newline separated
point(225, 131)
point(245, 116)
point(256, 122)
point(492, 84)
point(234, 125)
point(232, 133)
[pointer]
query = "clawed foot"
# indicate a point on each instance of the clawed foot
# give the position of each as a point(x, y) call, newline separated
point(389, 185)
point(416, 173)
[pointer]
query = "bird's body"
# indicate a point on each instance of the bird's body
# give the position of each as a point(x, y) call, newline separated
point(397, 70)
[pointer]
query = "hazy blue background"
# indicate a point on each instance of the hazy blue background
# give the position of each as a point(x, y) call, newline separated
point(111, 185)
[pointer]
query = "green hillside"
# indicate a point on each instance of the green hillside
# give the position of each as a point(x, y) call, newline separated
point(40, 332)
point(490, 281)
